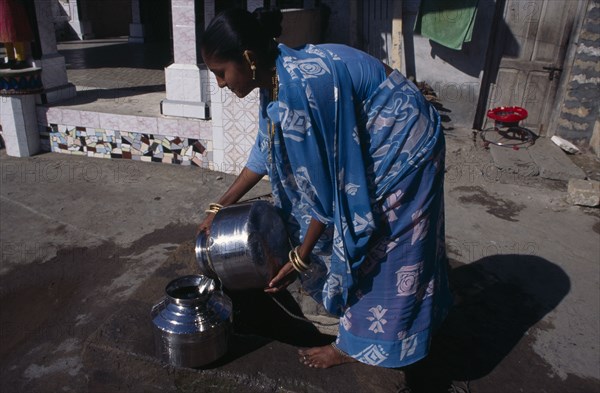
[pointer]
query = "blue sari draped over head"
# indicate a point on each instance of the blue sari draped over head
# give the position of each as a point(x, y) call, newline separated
point(348, 165)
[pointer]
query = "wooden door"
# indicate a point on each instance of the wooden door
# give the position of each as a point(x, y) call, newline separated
point(375, 28)
point(535, 35)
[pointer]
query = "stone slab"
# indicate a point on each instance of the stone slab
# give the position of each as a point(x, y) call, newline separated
point(584, 192)
point(514, 161)
point(564, 144)
point(552, 162)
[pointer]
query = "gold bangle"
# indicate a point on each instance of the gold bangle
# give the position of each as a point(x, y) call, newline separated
point(297, 263)
point(214, 208)
point(293, 262)
point(293, 259)
point(300, 261)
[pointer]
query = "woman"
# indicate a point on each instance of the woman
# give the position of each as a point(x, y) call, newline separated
point(355, 157)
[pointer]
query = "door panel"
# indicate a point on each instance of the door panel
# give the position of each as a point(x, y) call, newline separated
point(536, 34)
point(375, 28)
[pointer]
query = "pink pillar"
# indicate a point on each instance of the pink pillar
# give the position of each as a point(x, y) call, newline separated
point(186, 81)
point(52, 63)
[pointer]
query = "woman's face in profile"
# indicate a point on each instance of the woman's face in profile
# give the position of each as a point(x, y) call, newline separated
point(237, 76)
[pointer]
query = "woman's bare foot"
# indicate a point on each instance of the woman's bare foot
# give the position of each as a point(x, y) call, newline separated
point(323, 357)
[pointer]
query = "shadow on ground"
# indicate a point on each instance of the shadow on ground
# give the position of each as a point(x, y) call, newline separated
point(498, 299)
point(119, 95)
point(155, 55)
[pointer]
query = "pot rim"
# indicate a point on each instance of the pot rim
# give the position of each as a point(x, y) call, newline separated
point(206, 284)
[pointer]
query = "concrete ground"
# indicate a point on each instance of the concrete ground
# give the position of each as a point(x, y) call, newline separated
point(88, 246)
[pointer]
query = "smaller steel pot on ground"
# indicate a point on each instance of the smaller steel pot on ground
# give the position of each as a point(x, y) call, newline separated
point(246, 247)
point(192, 323)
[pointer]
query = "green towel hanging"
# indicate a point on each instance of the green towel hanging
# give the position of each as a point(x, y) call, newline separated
point(447, 22)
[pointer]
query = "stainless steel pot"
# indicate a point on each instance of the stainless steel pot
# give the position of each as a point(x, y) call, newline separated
point(192, 323)
point(247, 245)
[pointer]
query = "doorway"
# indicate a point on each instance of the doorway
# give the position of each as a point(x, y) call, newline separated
point(530, 49)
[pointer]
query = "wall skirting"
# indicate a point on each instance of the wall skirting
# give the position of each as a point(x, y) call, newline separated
point(104, 143)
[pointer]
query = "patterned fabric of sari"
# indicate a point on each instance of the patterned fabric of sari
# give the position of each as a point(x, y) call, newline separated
point(372, 171)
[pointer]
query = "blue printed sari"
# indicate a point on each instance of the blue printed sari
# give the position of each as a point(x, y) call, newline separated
point(372, 171)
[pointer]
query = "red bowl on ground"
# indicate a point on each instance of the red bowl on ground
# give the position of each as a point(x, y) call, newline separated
point(507, 114)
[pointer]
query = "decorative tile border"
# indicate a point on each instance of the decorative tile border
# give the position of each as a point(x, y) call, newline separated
point(168, 126)
point(104, 143)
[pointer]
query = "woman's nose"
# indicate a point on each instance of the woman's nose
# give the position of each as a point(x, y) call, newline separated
point(221, 82)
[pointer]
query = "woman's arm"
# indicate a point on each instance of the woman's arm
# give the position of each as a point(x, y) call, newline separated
point(313, 233)
point(242, 184)
point(287, 274)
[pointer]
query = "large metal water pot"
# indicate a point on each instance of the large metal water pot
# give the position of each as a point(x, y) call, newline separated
point(246, 247)
point(192, 323)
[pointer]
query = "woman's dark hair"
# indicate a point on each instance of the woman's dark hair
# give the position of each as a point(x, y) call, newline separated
point(235, 30)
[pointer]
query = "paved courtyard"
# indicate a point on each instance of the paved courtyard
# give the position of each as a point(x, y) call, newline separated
point(113, 76)
point(89, 244)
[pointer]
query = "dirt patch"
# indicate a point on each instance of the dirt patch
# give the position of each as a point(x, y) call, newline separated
point(45, 303)
point(61, 229)
point(34, 295)
point(498, 207)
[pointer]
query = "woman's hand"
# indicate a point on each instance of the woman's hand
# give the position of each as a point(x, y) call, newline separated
point(205, 225)
point(242, 184)
point(287, 274)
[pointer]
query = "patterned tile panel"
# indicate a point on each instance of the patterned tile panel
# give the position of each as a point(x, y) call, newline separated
point(240, 125)
point(104, 143)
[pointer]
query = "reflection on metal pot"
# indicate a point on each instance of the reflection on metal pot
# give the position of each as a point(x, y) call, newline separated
point(192, 323)
point(247, 245)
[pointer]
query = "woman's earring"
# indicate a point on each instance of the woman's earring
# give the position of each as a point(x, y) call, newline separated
point(251, 63)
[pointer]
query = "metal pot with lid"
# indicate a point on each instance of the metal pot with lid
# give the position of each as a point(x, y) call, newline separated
point(246, 247)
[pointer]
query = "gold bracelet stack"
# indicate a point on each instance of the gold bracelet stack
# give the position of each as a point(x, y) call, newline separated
point(299, 265)
point(214, 208)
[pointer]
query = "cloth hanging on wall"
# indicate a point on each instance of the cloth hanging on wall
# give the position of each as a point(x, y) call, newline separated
point(447, 22)
point(14, 25)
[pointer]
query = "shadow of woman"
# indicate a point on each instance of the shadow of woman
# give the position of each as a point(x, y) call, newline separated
point(498, 298)
point(256, 313)
point(258, 320)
